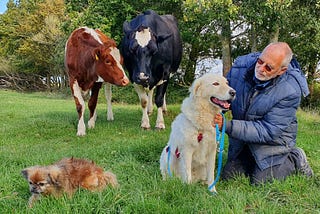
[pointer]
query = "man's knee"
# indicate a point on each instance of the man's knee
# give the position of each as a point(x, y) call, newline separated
point(278, 172)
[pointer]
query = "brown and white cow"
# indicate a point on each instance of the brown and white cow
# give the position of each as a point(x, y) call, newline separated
point(92, 58)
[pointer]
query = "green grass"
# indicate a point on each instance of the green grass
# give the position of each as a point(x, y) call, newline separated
point(39, 129)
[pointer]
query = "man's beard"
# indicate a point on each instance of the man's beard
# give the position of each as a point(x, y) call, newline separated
point(263, 77)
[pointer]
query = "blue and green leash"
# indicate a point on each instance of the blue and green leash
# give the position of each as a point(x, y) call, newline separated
point(220, 141)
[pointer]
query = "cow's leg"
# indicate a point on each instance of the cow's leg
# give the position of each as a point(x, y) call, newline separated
point(164, 106)
point(150, 102)
point(159, 100)
point(93, 103)
point(108, 94)
point(160, 120)
point(80, 106)
point(145, 124)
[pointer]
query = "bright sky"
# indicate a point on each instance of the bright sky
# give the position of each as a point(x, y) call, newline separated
point(3, 6)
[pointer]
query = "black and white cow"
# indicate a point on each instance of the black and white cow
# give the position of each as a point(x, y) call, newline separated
point(152, 49)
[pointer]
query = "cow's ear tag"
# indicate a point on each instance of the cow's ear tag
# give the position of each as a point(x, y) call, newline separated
point(97, 58)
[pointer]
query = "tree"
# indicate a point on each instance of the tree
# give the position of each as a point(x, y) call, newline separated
point(32, 42)
point(109, 15)
point(303, 33)
point(34, 37)
point(207, 29)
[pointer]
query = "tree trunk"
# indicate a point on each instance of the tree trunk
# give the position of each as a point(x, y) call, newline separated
point(191, 64)
point(253, 38)
point(274, 36)
point(311, 73)
point(226, 47)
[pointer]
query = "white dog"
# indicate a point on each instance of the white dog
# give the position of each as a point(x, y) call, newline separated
point(192, 145)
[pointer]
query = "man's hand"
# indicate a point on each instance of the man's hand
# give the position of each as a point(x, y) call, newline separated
point(218, 119)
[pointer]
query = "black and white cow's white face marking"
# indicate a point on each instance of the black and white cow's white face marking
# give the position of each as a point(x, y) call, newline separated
point(143, 37)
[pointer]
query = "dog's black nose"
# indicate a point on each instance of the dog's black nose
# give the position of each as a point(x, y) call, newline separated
point(34, 190)
point(232, 93)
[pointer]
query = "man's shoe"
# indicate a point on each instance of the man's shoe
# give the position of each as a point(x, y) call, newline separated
point(302, 164)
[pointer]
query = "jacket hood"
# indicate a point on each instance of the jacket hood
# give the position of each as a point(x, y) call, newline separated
point(294, 70)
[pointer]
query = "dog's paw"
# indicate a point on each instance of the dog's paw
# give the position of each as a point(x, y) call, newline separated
point(33, 199)
point(214, 193)
point(213, 190)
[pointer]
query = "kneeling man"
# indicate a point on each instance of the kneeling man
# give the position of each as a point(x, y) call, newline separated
point(262, 132)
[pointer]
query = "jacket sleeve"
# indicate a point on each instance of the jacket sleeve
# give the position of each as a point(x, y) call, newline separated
point(275, 127)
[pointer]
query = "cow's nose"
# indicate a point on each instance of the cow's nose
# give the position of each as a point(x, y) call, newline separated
point(232, 93)
point(125, 81)
point(143, 79)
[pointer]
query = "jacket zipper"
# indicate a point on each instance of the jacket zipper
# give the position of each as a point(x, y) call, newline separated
point(253, 95)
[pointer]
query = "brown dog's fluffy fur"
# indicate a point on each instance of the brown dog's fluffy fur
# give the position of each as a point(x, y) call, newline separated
point(66, 176)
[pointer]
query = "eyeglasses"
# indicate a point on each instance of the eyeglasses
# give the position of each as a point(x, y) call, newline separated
point(267, 67)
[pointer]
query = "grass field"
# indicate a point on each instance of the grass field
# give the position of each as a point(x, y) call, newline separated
point(39, 129)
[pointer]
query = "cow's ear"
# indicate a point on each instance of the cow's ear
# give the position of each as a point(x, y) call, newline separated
point(96, 54)
point(162, 37)
point(126, 27)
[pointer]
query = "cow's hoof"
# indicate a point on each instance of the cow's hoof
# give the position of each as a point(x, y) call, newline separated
point(110, 119)
point(91, 125)
point(160, 128)
point(145, 125)
point(80, 134)
point(145, 128)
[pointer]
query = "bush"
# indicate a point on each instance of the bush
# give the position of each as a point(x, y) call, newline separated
point(313, 100)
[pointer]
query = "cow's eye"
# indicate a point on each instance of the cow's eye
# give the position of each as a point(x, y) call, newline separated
point(41, 184)
point(108, 62)
point(215, 84)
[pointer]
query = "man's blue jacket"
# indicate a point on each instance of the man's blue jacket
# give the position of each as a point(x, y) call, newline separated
point(264, 116)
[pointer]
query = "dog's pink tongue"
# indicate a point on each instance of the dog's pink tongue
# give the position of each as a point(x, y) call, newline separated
point(224, 104)
point(221, 103)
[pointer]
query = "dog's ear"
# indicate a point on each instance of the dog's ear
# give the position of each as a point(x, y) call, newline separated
point(194, 89)
point(52, 179)
point(53, 175)
point(25, 173)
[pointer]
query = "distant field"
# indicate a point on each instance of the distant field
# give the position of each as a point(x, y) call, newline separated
point(39, 129)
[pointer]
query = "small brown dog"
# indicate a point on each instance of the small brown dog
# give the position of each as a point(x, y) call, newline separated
point(66, 176)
